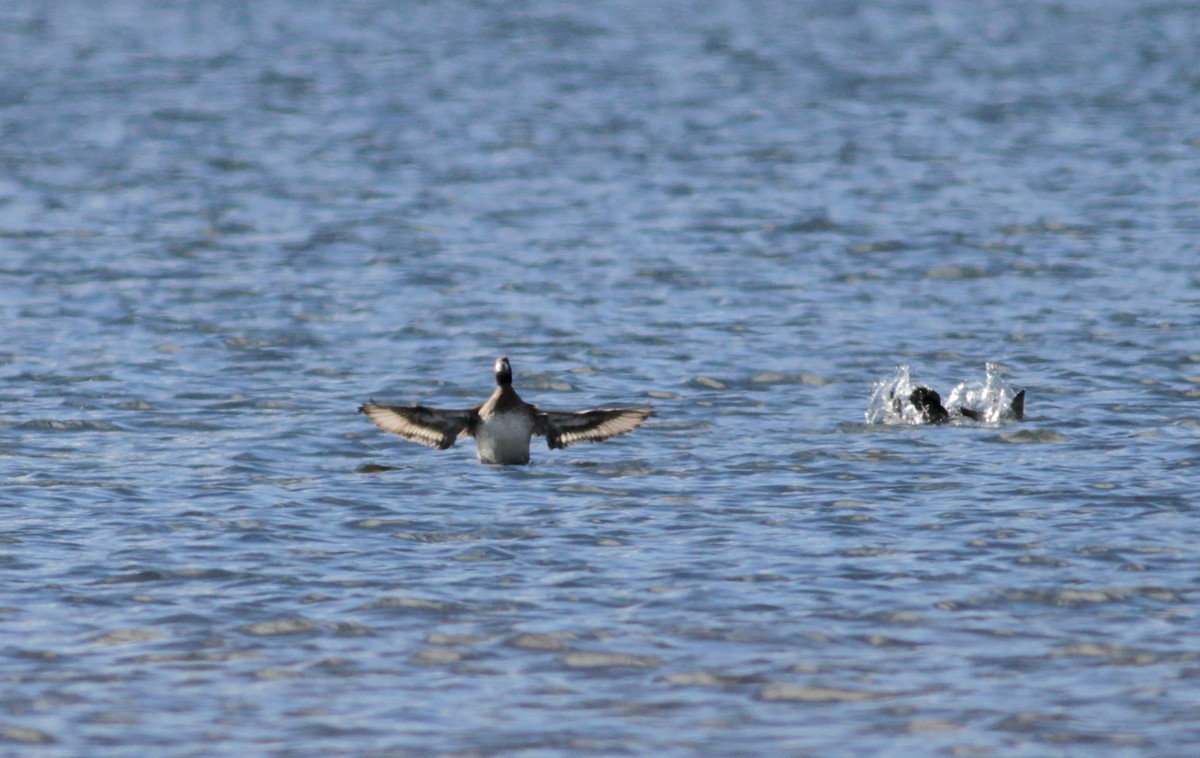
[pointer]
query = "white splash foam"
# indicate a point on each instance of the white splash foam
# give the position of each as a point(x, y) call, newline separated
point(889, 400)
point(992, 399)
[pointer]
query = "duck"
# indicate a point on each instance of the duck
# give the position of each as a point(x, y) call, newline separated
point(504, 425)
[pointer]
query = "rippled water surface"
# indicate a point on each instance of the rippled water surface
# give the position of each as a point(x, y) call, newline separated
point(225, 225)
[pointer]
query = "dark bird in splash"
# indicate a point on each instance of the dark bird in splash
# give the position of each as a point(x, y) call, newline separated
point(929, 404)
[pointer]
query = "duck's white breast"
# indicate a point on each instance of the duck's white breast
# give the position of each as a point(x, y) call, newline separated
point(504, 438)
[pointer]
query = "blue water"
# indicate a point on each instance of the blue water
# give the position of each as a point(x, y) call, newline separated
point(225, 225)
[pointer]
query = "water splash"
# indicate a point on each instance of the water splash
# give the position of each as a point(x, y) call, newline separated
point(989, 402)
point(889, 400)
point(992, 400)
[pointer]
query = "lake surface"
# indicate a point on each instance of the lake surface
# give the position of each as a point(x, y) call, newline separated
point(225, 225)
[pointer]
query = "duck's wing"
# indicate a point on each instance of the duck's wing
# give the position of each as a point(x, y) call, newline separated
point(1018, 406)
point(563, 428)
point(431, 427)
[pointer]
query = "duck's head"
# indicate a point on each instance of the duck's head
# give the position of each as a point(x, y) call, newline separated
point(503, 371)
point(923, 397)
point(929, 403)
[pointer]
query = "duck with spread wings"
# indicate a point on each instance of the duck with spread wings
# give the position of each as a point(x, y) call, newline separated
point(503, 426)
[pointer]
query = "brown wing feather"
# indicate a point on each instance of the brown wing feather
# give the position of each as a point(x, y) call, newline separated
point(431, 427)
point(563, 428)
